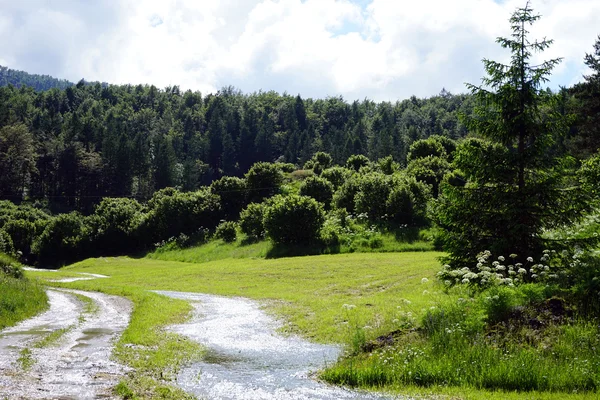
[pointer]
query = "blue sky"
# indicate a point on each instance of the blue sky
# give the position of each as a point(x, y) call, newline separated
point(377, 49)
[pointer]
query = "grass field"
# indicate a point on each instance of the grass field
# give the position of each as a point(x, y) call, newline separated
point(346, 298)
point(19, 298)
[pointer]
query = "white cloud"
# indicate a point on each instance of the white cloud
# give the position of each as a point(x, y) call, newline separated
point(389, 49)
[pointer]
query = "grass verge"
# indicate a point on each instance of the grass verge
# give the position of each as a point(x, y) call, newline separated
point(19, 298)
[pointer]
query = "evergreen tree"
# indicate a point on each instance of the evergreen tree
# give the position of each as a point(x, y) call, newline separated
point(513, 187)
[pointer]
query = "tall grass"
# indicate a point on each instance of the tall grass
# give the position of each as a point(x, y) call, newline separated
point(19, 298)
point(455, 345)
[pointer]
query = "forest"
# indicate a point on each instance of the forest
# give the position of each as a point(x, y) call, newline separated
point(502, 180)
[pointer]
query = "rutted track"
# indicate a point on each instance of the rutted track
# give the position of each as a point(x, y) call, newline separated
point(78, 365)
point(248, 360)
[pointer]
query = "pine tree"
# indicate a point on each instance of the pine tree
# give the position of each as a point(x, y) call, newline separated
point(511, 186)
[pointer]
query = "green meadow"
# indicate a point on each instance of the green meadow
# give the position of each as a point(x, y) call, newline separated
point(351, 299)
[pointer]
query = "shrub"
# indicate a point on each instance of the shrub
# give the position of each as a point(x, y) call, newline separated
point(294, 220)
point(356, 162)
point(64, 240)
point(22, 233)
point(387, 165)
point(263, 180)
point(336, 175)
point(6, 243)
point(175, 213)
point(400, 207)
point(115, 224)
point(430, 170)
point(226, 231)
point(374, 189)
point(286, 167)
point(251, 220)
point(319, 189)
point(9, 267)
point(424, 148)
point(232, 191)
point(344, 196)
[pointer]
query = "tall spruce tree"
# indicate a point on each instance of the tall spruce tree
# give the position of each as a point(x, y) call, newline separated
point(509, 187)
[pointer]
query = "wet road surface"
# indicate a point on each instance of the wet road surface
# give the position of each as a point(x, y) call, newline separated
point(77, 365)
point(248, 360)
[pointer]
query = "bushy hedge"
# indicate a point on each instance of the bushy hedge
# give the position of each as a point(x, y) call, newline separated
point(252, 220)
point(115, 223)
point(172, 213)
point(263, 180)
point(227, 231)
point(65, 239)
point(294, 220)
point(233, 193)
point(319, 189)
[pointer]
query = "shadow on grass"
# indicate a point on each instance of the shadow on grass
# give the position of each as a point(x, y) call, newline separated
point(298, 250)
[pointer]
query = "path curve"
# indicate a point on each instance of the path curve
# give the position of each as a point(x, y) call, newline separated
point(248, 360)
point(78, 366)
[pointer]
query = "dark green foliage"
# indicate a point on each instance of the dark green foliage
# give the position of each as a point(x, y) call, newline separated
point(294, 220)
point(263, 180)
point(344, 196)
point(357, 161)
point(115, 224)
point(92, 141)
point(430, 170)
point(252, 220)
point(585, 102)
point(22, 233)
point(336, 175)
point(387, 165)
point(9, 267)
point(425, 148)
point(400, 205)
point(6, 243)
point(514, 186)
point(38, 82)
point(286, 167)
point(319, 189)
point(226, 231)
point(65, 239)
point(374, 189)
point(232, 191)
point(17, 160)
point(171, 213)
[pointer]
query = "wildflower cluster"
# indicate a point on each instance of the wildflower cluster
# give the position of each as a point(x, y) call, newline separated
point(489, 272)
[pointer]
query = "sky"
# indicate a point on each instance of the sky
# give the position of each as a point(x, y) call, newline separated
point(377, 49)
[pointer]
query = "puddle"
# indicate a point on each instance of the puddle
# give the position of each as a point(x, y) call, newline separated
point(248, 360)
point(78, 365)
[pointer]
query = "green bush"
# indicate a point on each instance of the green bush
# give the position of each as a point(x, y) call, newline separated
point(22, 233)
point(9, 267)
point(356, 162)
point(319, 189)
point(374, 189)
point(115, 224)
point(65, 239)
point(294, 220)
point(424, 148)
point(286, 167)
point(263, 180)
point(252, 220)
point(400, 205)
point(336, 175)
point(344, 196)
point(173, 213)
point(232, 191)
point(6, 243)
point(387, 165)
point(227, 231)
